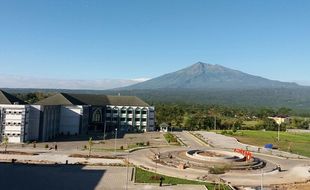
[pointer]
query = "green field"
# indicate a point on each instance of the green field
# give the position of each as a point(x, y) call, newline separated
point(297, 143)
point(143, 176)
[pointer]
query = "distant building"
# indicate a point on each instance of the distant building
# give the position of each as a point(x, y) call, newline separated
point(164, 127)
point(280, 119)
point(72, 114)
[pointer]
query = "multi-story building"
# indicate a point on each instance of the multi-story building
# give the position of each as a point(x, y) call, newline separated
point(18, 121)
point(74, 114)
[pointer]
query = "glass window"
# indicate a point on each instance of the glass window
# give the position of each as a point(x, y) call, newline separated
point(97, 116)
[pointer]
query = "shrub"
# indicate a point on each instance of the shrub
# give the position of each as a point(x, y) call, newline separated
point(46, 146)
point(121, 147)
point(219, 169)
point(155, 177)
point(148, 143)
point(224, 132)
point(140, 143)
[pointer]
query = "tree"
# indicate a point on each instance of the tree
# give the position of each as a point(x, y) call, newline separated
point(5, 142)
point(267, 124)
point(284, 111)
point(90, 145)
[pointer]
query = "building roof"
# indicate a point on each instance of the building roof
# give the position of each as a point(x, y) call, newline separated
point(92, 99)
point(6, 98)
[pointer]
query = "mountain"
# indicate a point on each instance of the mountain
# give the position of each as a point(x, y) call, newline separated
point(207, 76)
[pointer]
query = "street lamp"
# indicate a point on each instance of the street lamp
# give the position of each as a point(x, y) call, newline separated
point(261, 180)
point(127, 170)
point(104, 129)
point(215, 122)
point(279, 132)
point(115, 140)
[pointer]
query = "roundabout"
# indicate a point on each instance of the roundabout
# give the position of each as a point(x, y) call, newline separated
point(197, 161)
point(204, 160)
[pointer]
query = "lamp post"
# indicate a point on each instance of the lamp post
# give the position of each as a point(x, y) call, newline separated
point(127, 169)
point(104, 129)
point(261, 180)
point(214, 122)
point(115, 141)
point(278, 133)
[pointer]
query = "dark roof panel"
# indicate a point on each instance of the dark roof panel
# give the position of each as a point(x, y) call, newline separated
point(59, 99)
point(6, 98)
point(92, 99)
point(126, 101)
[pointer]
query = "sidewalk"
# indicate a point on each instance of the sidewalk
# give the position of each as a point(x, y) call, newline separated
point(60, 157)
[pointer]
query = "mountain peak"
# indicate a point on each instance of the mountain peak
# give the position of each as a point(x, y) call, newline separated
point(201, 67)
point(208, 76)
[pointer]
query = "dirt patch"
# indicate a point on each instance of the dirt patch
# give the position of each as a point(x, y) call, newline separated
point(18, 153)
point(210, 154)
point(93, 156)
point(297, 186)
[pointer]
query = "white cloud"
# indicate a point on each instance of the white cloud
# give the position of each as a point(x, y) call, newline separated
point(303, 82)
point(141, 79)
point(11, 81)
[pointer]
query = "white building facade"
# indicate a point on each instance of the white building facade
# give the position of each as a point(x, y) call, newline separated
point(20, 123)
point(131, 118)
point(64, 115)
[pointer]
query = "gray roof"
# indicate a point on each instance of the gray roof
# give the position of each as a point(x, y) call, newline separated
point(92, 99)
point(6, 98)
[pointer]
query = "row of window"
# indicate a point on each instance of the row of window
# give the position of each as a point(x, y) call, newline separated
point(137, 123)
point(11, 134)
point(13, 112)
point(124, 111)
point(137, 126)
point(12, 123)
point(124, 119)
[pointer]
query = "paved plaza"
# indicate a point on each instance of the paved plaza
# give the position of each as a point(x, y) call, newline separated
point(50, 171)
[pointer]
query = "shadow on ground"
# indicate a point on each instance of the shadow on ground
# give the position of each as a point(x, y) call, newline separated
point(48, 177)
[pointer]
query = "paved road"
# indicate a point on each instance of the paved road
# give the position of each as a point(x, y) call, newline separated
point(74, 177)
point(221, 141)
point(189, 140)
point(57, 156)
point(297, 169)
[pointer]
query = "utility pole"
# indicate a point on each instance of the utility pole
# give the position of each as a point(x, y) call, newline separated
point(127, 169)
point(115, 140)
point(261, 180)
point(104, 129)
point(214, 122)
point(278, 133)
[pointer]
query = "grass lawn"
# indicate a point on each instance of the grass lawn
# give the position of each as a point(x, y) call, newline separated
point(171, 139)
point(290, 142)
point(143, 176)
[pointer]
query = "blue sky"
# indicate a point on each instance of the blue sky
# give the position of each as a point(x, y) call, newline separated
point(129, 39)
